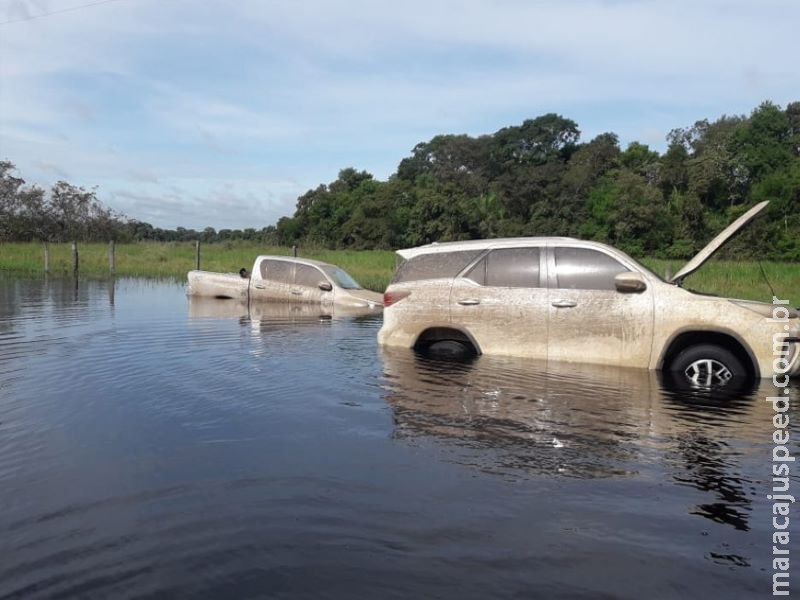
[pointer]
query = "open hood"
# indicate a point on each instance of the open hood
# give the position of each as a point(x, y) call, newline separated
point(697, 261)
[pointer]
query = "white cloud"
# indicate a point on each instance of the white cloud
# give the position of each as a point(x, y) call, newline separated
point(240, 98)
point(197, 204)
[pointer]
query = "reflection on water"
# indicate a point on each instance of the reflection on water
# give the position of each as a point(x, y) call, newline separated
point(507, 416)
point(156, 447)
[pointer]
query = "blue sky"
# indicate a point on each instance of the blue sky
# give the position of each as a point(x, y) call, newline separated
point(220, 113)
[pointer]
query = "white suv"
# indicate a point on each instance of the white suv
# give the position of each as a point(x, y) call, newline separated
point(562, 299)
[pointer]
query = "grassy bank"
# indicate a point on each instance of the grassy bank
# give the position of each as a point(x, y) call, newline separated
point(738, 279)
point(373, 268)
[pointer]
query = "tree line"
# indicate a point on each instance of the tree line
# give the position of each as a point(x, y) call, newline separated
point(67, 212)
point(537, 178)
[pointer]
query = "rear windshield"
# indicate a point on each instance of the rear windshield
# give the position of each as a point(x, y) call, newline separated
point(437, 265)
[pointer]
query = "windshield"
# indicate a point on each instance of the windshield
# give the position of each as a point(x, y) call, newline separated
point(341, 278)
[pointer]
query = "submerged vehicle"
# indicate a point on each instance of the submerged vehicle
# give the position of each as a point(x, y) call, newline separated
point(568, 300)
point(285, 279)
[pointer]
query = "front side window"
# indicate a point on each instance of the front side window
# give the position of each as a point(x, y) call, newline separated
point(586, 269)
point(277, 271)
point(508, 267)
point(308, 276)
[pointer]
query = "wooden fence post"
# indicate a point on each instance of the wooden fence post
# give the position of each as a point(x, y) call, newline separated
point(294, 251)
point(46, 257)
point(197, 255)
point(668, 272)
point(75, 257)
point(112, 259)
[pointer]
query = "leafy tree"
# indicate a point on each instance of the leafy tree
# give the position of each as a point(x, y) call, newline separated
point(548, 138)
point(764, 142)
point(535, 178)
point(641, 160)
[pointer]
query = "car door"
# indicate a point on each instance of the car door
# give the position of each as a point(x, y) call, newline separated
point(306, 285)
point(274, 281)
point(589, 320)
point(501, 301)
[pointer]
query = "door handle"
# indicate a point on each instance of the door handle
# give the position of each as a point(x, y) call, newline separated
point(296, 293)
point(258, 286)
point(469, 302)
point(564, 303)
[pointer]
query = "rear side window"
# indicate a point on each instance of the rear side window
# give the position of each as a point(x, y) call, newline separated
point(308, 276)
point(508, 267)
point(438, 265)
point(278, 271)
point(585, 269)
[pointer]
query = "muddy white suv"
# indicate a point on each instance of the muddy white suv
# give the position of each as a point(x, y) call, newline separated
point(563, 299)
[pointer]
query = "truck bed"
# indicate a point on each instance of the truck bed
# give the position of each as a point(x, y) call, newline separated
point(217, 285)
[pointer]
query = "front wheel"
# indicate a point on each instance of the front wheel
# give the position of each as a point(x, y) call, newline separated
point(708, 366)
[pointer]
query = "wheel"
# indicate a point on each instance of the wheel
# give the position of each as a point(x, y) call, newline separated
point(449, 349)
point(708, 366)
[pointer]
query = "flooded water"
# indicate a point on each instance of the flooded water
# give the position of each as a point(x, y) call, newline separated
point(150, 448)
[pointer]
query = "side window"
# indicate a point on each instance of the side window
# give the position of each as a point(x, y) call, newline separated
point(513, 267)
point(307, 276)
point(437, 265)
point(508, 267)
point(585, 269)
point(279, 271)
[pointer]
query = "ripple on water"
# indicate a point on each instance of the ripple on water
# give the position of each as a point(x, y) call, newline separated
point(154, 448)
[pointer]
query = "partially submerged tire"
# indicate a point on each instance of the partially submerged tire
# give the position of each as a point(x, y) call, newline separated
point(708, 366)
point(449, 350)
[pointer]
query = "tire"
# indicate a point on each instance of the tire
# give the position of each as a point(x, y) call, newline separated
point(449, 350)
point(708, 366)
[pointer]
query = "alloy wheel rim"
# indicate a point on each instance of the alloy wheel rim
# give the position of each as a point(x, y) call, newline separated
point(708, 372)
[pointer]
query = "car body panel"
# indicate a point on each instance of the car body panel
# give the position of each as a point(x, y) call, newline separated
point(601, 326)
point(504, 320)
point(518, 312)
point(282, 279)
point(580, 320)
point(412, 316)
point(680, 311)
point(217, 285)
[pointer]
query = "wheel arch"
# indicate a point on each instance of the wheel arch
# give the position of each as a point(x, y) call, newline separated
point(441, 333)
point(682, 339)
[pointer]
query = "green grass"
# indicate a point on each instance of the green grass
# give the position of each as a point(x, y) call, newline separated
point(738, 279)
point(373, 268)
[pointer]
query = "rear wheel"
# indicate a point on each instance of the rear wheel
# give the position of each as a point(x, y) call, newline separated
point(708, 366)
point(449, 349)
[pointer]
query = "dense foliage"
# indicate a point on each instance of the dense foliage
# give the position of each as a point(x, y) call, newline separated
point(70, 213)
point(539, 179)
point(536, 178)
point(65, 213)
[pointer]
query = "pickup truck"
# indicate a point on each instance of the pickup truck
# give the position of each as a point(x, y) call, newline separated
point(286, 279)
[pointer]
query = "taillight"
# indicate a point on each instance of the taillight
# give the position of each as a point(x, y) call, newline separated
point(390, 298)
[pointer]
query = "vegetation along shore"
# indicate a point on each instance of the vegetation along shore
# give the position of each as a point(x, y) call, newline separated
point(535, 178)
point(372, 268)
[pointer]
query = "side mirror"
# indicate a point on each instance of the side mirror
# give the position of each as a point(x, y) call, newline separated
point(325, 286)
point(630, 282)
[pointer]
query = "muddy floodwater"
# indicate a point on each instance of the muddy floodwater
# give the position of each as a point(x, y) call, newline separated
point(153, 448)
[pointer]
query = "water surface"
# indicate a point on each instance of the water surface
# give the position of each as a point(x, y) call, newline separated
point(150, 448)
